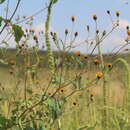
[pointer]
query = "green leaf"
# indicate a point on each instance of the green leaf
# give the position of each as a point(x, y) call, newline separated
point(2, 1)
point(18, 32)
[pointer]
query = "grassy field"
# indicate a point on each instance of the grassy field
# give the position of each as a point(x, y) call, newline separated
point(62, 90)
point(82, 99)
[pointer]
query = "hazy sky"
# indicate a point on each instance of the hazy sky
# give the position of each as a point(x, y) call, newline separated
point(82, 9)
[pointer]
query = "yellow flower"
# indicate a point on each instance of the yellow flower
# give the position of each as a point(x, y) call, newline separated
point(86, 56)
point(128, 32)
point(94, 17)
point(62, 89)
point(33, 30)
point(109, 65)
point(117, 13)
point(96, 61)
point(99, 75)
point(78, 53)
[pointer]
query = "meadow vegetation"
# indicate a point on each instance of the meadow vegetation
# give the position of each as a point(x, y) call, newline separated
point(42, 89)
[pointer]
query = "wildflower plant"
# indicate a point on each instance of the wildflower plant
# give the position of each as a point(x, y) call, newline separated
point(64, 94)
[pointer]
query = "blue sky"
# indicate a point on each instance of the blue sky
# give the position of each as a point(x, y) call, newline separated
point(82, 10)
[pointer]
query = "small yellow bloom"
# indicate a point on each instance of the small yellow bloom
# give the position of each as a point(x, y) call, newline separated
point(62, 89)
point(109, 65)
point(99, 75)
point(78, 53)
point(96, 61)
point(86, 56)
point(117, 13)
point(94, 17)
point(128, 32)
